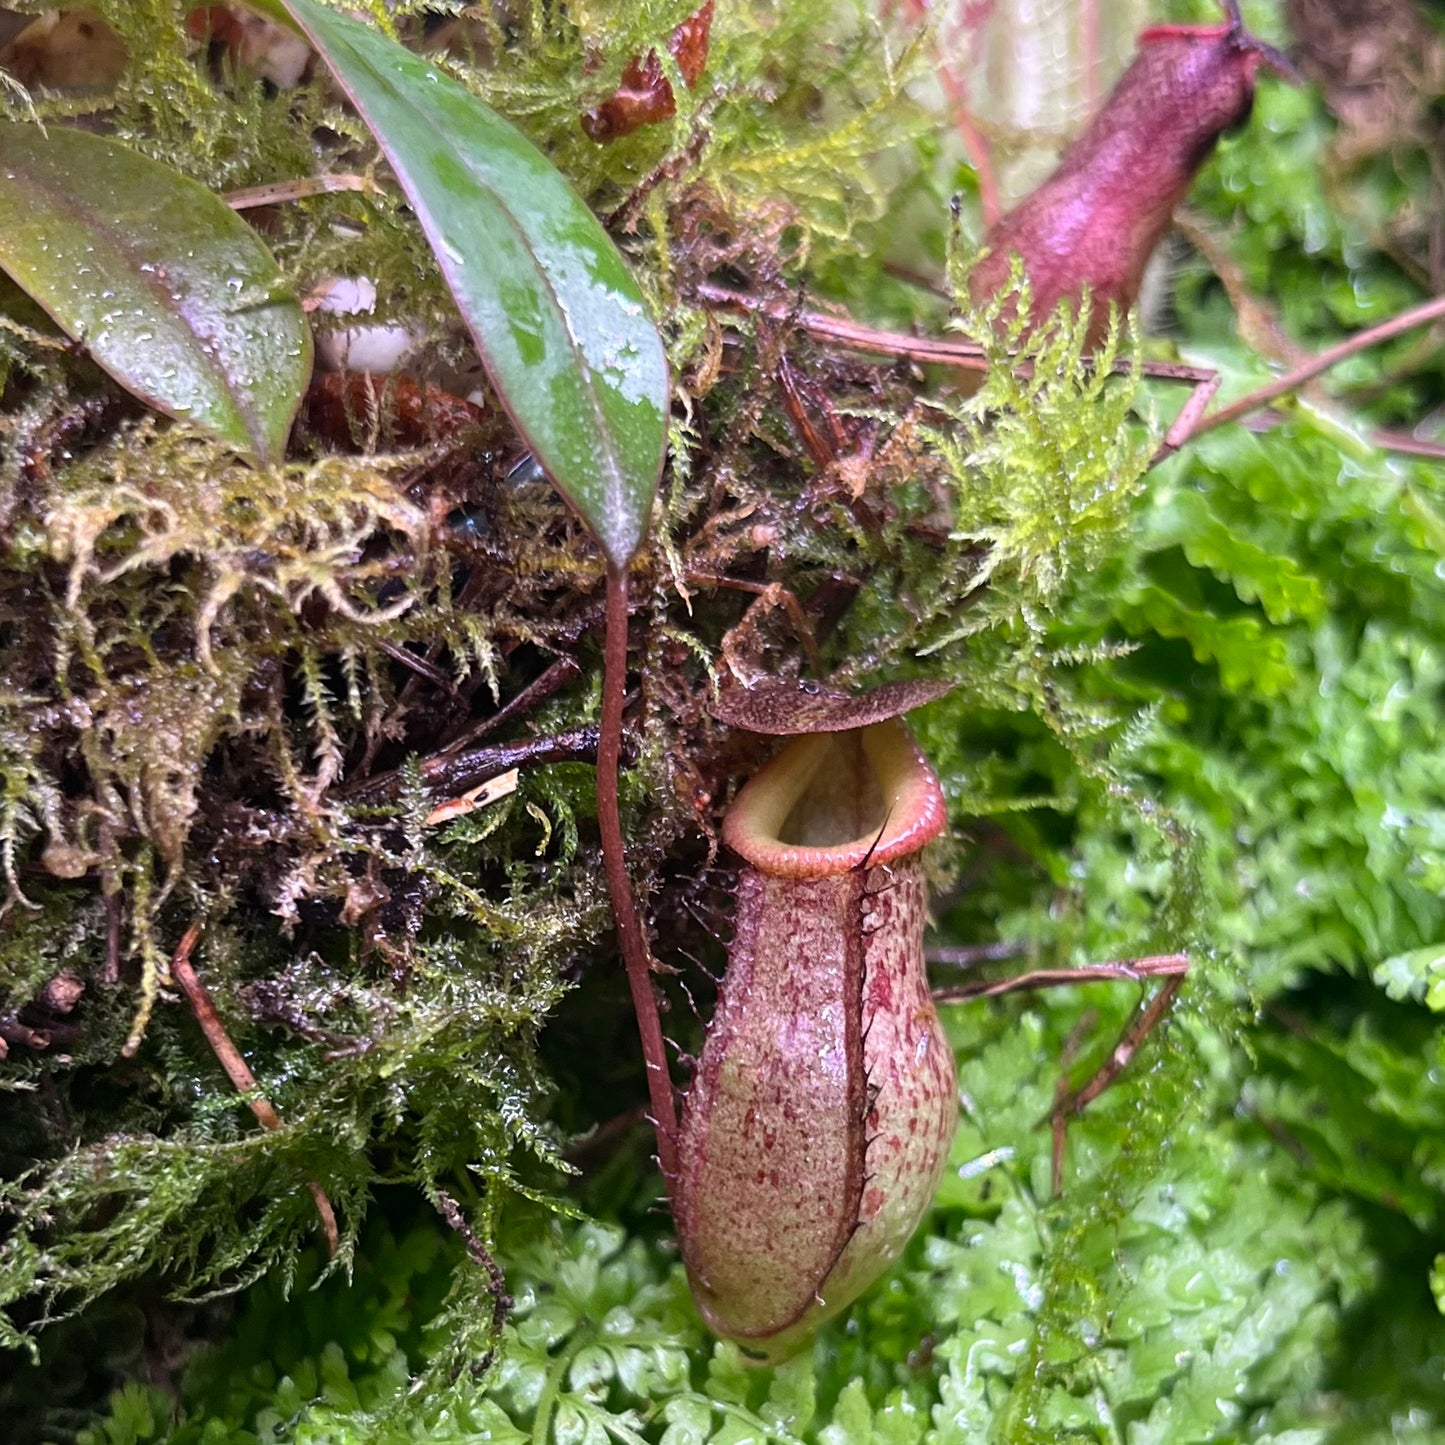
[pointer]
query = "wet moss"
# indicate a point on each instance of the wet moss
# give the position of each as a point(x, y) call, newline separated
point(239, 696)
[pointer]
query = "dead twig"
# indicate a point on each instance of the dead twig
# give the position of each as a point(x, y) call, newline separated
point(1144, 1021)
point(454, 773)
point(624, 218)
point(481, 1256)
point(1292, 380)
point(555, 677)
point(925, 350)
point(1191, 421)
point(300, 189)
point(421, 668)
point(1172, 967)
point(769, 595)
point(1142, 1025)
point(1163, 965)
point(237, 1070)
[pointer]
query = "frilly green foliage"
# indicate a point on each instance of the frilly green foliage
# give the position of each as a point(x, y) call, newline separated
point(1233, 1280)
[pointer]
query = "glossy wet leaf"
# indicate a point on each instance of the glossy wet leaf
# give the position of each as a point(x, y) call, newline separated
point(168, 289)
point(558, 319)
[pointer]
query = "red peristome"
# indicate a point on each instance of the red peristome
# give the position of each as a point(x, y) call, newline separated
point(1175, 32)
point(834, 802)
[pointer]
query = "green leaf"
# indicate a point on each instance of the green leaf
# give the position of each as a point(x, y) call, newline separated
point(169, 290)
point(1417, 974)
point(558, 319)
point(1275, 582)
point(1248, 656)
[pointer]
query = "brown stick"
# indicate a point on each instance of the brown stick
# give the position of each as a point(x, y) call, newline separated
point(1144, 1021)
point(1143, 1024)
point(631, 937)
point(770, 593)
point(1190, 423)
point(1361, 341)
point(235, 1066)
point(1194, 407)
point(457, 772)
point(421, 668)
point(274, 192)
point(1172, 967)
point(961, 355)
point(1161, 965)
point(552, 679)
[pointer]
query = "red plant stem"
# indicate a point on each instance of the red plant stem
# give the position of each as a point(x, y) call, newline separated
point(237, 1070)
point(1294, 379)
point(975, 145)
point(1166, 965)
point(631, 938)
point(1407, 444)
point(961, 355)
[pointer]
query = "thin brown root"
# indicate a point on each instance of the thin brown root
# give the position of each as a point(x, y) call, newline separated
point(237, 1070)
point(925, 350)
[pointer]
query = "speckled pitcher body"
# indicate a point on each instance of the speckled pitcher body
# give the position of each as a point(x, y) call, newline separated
point(823, 1106)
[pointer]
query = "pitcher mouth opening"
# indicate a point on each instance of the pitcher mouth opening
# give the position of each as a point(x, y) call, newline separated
point(835, 801)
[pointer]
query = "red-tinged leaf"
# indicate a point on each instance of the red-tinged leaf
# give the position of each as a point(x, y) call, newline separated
point(558, 319)
point(645, 95)
point(169, 290)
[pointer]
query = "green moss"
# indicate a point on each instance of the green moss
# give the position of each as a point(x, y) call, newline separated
point(1197, 708)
